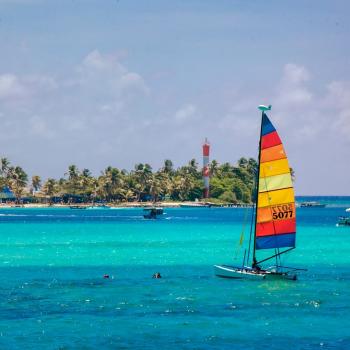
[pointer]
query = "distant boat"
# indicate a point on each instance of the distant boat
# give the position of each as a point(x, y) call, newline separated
point(274, 224)
point(343, 221)
point(102, 206)
point(77, 207)
point(347, 209)
point(312, 205)
point(194, 205)
point(152, 213)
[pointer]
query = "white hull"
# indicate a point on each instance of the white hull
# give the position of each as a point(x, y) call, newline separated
point(98, 207)
point(225, 271)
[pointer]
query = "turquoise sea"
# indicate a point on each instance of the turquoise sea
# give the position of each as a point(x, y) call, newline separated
point(53, 294)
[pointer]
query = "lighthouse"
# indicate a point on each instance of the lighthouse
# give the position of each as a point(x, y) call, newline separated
point(206, 148)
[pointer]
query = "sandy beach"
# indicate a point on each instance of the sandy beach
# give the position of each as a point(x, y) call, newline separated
point(187, 204)
point(112, 205)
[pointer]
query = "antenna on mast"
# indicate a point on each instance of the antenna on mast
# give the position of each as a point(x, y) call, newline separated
point(264, 108)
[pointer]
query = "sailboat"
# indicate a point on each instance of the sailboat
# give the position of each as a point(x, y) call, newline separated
point(273, 226)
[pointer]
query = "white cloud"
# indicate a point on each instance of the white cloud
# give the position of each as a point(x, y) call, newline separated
point(185, 113)
point(102, 102)
point(92, 113)
point(343, 123)
point(133, 81)
point(292, 91)
point(338, 94)
point(96, 61)
point(11, 87)
point(40, 82)
point(98, 71)
point(338, 103)
point(294, 74)
point(311, 115)
point(15, 88)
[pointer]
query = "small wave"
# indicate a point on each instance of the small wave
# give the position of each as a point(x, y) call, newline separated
point(25, 215)
point(37, 215)
point(46, 215)
point(182, 218)
point(120, 208)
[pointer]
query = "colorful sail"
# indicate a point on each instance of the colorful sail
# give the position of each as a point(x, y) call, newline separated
point(275, 221)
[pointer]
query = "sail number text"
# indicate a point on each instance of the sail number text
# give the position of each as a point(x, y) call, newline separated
point(284, 211)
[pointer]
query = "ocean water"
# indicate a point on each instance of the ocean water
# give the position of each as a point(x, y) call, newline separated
point(53, 294)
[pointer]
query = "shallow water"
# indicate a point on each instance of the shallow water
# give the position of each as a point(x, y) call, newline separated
point(53, 295)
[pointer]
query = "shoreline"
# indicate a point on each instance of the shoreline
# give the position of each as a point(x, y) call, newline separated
point(125, 205)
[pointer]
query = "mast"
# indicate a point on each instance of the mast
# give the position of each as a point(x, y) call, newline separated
point(262, 108)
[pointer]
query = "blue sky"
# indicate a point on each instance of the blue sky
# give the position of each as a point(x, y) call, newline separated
point(99, 83)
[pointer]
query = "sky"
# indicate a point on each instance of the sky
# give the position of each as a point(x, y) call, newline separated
point(119, 82)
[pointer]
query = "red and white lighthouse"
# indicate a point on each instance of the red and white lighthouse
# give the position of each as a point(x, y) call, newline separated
point(206, 148)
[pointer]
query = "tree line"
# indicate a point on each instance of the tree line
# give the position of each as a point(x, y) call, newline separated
point(228, 183)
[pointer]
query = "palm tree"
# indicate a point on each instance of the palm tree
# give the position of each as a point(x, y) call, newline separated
point(50, 189)
point(17, 180)
point(182, 187)
point(85, 184)
point(184, 183)
point(213, 167)
point(112, 183)
point(168, 166)
point(193, 167)
point(142, 176)
point(127, 194)
point(73, 172)
point(4, 166)
point(242, 162)
point(225, 170)
point(165, 180)
point(73, 179)
point(94, 189)
point(252, 166)
point(100, 187)
point(86, 173)
point(292, 174)
point(36, 183)
point(156, 187)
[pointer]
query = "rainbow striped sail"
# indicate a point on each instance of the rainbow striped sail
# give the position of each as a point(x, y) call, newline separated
point(275, 214)
point(274, 225)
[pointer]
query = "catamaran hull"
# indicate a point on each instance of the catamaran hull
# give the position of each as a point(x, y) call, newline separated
point(225, 271)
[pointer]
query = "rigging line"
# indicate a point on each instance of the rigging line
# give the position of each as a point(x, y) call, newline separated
point(240, 242)
point(278, 257)
point(252, 218)
point(245, 219)
point(285, 251)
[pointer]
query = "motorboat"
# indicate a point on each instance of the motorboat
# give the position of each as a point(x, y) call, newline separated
point(152, 213)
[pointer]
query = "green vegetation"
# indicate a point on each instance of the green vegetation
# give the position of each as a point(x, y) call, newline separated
point(228, 184)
